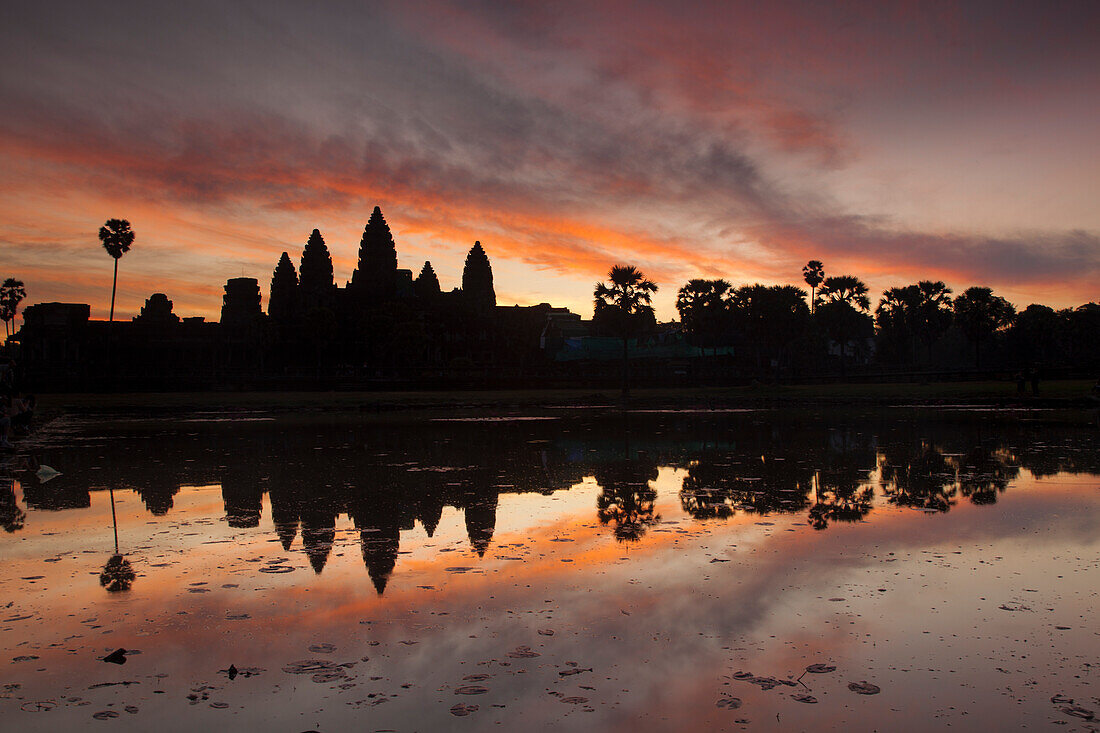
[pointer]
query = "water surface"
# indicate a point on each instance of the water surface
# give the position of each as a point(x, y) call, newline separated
point(592, 569)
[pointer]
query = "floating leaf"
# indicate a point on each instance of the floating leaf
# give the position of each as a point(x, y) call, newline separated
point(864, 688)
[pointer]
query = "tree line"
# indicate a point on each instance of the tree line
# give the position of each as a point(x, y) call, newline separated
point(923, 325)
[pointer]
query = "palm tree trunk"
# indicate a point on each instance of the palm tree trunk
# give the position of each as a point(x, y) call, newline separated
point(114, 517)
point(114, 286)
point(626, 369)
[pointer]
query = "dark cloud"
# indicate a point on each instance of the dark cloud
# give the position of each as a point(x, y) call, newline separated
point(579, 133)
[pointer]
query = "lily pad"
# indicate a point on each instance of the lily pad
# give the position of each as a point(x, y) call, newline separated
point(471, 690)
point(864, 688)
point(1079, 712)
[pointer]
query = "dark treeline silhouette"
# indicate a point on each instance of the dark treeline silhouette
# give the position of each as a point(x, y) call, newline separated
point(385, 328)
point(772, 331)
point(393, 477)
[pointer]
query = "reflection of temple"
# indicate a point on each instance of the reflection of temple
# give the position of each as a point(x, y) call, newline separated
point(388, 477)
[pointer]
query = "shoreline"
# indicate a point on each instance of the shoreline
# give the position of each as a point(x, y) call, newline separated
point(1073, 399)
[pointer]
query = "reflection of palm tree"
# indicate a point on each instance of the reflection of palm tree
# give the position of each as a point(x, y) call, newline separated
point(12, 515)
point(983, 474)
point(920, 478)
point(840, 504)
point(117, 574)
point(702, 494)
point(625, 501)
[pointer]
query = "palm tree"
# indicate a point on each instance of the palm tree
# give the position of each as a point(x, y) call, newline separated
point(895, 317)
point(12, 293)
point(980, 314)
point(933, 314)
point(813, 273)
point(702, 306)
point(846, 289)
point(116, 236)
point(844, 298)
point(769, 318)
point(624, 308)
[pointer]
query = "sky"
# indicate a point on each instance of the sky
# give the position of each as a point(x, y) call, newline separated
point(895, 141)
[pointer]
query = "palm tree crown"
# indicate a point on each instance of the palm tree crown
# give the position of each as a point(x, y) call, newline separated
point(12, 293)
point(813, 273)
point(116, 236)
point(847, 289)
point(629, 291)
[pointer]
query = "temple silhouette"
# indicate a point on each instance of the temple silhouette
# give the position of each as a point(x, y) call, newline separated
point(386, 328)
point(382, 325)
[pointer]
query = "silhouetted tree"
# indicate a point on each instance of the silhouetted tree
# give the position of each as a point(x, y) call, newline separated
point(933, 314)
point(704, 311)
point(375, 277)
point(769, 317)
point(1035, 334)
point(980, 314)
point(624, 308)
point(426, 285)
point(477, 279)
point(844, 309)
point(1082, 325)
point(920, 311)
point(315, 283)
point(813, 273)
point(12, 293)
point(894, 317)
point(116, 237)
point(283, 302)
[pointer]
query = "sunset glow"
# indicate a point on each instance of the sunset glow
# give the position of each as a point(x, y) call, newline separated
point(735, 140)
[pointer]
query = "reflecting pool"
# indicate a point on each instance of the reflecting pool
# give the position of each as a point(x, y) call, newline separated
point(891, 569)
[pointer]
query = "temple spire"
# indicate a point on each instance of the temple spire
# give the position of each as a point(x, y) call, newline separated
point(316, 285)
point(375, 277)
point(477, 279)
